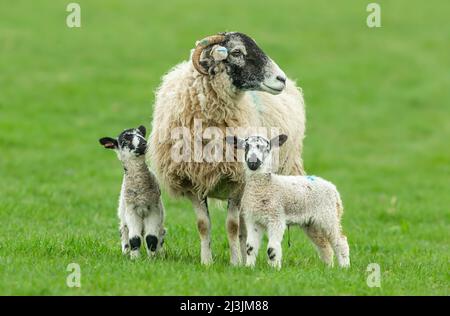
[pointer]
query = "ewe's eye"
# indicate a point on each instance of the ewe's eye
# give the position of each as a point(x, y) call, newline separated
point(236, 53)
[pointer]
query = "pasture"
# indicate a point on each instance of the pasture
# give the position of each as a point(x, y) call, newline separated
point(378, 126)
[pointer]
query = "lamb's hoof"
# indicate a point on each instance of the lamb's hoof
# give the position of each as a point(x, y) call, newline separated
point(345, 264)
point(250, 265)
point(125, 249)
point(134, 254)
point(275, 264)
point(250, 262)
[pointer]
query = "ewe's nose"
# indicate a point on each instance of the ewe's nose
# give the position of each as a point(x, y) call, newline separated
point(282, 79)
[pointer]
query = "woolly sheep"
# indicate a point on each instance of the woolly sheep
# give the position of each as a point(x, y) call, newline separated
point(229, 82)
point(270, 202)
point(140, 211)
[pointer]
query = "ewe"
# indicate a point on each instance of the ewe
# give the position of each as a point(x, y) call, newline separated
point(270, 202)
point(228, 82)
point(141, 211)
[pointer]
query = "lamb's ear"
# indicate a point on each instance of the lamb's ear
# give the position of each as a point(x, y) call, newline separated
point(109, 143)
point(278, 141)
point(236, 141)
point(142, 130)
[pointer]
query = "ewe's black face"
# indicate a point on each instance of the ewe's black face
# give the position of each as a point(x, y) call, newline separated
point(130, 143)
point(248, 67)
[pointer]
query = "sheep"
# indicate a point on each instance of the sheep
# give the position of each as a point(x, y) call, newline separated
point(270, 202)
point(229, 82)
point(141, 211)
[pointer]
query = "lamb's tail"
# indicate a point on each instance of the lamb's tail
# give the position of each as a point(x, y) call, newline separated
point(339, 205)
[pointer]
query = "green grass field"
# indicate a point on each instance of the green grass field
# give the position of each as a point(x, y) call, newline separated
point(378, 125)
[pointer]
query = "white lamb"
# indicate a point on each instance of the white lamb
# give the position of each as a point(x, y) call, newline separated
point(141, 211)
point(270, 202)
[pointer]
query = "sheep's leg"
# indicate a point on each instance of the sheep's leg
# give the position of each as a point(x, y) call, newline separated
point(254, 236)
point(124, 238)
point(243, 238)
point(322, 244)
point(123, 228)
point(275, 233)
point(152, 228)
point(135, 226)
point(204, 228)
point(341, 249)
point(233, 231)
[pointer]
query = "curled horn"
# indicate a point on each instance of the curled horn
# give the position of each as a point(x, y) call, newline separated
point(201, 45)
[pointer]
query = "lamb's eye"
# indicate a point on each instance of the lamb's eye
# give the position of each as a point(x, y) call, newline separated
point(236, 53)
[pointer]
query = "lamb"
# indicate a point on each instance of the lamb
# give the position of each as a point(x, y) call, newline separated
point(270, 202)
point(229, 82)
point(141, 211)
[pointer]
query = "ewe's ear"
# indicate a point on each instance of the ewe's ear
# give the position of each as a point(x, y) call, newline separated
point(142, 130)
point(278, 141)
point(219, 53)
point(236, 141)
point(212, 56)
point(109, 143)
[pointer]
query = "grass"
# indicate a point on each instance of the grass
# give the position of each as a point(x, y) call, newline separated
point(378, 126)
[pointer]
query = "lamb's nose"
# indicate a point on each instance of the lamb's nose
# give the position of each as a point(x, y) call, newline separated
point(282, 79)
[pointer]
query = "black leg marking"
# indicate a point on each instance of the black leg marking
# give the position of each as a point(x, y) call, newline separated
point(205, 202)
point(135, 243)
point(249, 249)
point(270, 253)
point(152, 242)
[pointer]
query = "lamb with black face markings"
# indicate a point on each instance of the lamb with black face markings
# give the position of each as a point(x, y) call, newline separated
point(141, 211)
point(271, 202)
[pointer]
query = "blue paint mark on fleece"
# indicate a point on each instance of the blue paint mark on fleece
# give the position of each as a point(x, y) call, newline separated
point(256, 101)
point(312, 178)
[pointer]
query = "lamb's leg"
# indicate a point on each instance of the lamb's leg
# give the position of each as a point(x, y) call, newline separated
point(152, 228)
point(204, 228)
point(322, 244)
point(341, 249)
point(123, 228)
point(124, 238)
point(254, 235)
point(233, 231)
point(135, 226)
point(275, 231)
